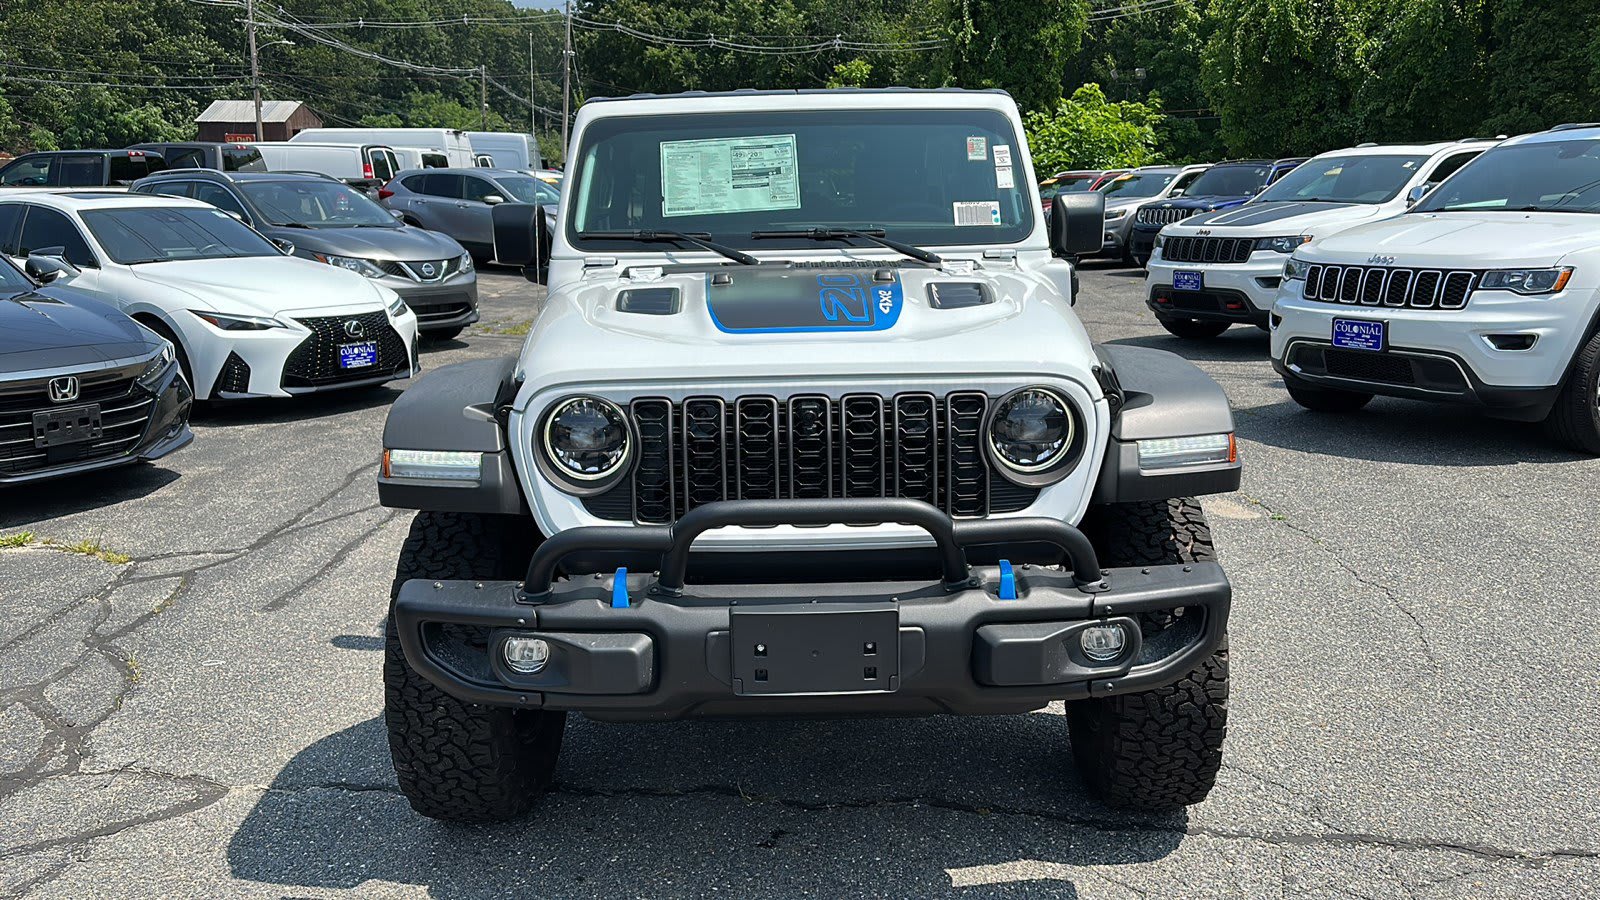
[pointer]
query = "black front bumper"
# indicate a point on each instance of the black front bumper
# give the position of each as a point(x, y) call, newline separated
point(980, 640)
point(1211, 304)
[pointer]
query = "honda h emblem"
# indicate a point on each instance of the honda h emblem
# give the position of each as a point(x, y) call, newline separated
point(64, 389)
point(355, 329)
point(428, 270)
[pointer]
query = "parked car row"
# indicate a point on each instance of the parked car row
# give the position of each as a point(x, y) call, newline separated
point(1465, 271)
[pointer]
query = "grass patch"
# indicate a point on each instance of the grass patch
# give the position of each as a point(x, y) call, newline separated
point(516, 329)
point(20, 539)
point(98, 551)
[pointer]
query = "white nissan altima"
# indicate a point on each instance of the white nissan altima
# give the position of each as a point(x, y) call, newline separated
point(247, 320)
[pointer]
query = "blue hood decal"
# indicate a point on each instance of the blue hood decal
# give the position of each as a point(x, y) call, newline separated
point(791, 301)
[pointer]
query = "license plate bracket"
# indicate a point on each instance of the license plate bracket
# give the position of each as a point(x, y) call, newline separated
point(815, 648)
point(1361, 334)
point(358, 356)
point(1188, 281)
point(73, 425)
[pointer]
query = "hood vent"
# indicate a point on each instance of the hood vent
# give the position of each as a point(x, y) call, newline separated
point(662, 301)
point(958, 294)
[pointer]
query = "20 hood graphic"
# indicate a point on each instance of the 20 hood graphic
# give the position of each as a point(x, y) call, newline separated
point(798, 301)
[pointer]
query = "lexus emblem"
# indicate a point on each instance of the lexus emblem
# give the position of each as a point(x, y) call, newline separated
point(64, 389)
point(354, 328)
point(428, 270)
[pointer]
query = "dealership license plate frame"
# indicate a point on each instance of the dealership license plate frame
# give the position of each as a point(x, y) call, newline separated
point(1188, 281)
point(1371, 337)
point(359, 355)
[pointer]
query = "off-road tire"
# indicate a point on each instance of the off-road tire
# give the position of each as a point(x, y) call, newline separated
point(441, 335)
point(1193, 329)
point(458, 761)
point(1575, 419)
point(1159, 749)
point(1324, 400)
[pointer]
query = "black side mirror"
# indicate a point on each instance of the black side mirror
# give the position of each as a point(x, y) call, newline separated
point(46, 264)
point(522, 238)
point(286, 246)
point(1077, 223)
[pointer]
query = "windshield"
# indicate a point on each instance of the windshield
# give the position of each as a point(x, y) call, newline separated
point(247, 159)
point(12, 281)
point(1548, 176)
point(1228, 181)
point(315, 204)
point(925, 177)
point(1139, 184)
point(1346, 179)
point(527, 189)
point(162, 234)
point(1070, 184)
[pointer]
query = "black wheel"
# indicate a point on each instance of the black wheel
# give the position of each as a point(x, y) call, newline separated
point(1193, 329)
point(443, 334)
point(1158, 749)
point(458, 761)
point(1128, 259)
point(1575, 419)
point(1321, 399)
point(1142, 260)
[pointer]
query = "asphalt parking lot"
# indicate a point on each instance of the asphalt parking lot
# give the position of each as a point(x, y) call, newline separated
point(1416, 700)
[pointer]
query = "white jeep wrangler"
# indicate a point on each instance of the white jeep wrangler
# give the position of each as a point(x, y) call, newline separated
point(1487, 292)
point(806, 426)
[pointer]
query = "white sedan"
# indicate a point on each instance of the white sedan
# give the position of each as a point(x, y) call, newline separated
point(247, 320)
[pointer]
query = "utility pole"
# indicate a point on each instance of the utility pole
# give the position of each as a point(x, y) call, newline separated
point(533, 104)
point(255, 64)
point(483, 95)
point(566, 83)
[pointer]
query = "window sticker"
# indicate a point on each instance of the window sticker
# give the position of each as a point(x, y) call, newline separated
point(979, 212)
point(977, 148)
point(729, 175)
point(1002, 155)
point(1003, 179)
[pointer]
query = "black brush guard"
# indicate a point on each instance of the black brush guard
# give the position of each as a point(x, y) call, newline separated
point(990, 639)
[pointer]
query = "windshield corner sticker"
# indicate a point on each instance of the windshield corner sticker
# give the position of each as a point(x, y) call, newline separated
point(979, 212)
point(801, 302)
point(977, 148)
point(729, 175)
point(1002, 155)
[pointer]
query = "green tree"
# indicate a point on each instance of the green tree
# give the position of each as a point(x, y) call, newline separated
point(1022, 46)
point(1088, 132)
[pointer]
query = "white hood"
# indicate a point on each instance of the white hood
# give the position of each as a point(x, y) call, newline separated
point(266, 285)
point(1465, 240)
point(1283, 218)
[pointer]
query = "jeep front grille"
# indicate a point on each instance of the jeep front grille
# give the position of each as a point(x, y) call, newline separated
point(1155, 216)
point(1207, 249)
point(915, 445)
point(1381, 286)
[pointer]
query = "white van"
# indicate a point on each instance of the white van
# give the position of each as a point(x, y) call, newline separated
point(421, 158)
point(366, 167)
point(449, 141)
point(504, 150)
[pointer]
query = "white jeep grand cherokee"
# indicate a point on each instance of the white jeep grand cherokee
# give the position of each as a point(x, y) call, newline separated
point(806, 426)
point(1220, 269)
point(1486, 292)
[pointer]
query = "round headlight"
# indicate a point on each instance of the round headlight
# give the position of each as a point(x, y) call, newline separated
point(586, 438)
point(1031, 430)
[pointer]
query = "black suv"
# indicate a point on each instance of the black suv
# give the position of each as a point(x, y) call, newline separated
point(81, 168)
point(208, 155)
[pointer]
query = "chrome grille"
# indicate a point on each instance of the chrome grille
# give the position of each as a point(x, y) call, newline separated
point(125, 410)
point(1379, 285)
point(1207, 249)
point(759, 447)
point(1148, 215)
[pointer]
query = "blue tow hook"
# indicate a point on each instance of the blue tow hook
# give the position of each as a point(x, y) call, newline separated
point(619, 589)
point(1008, 581)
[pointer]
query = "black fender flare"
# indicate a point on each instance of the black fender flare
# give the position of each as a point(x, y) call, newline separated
point(456, 408)
point(1157, 394)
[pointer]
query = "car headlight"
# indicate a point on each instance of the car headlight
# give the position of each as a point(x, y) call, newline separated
point(1160, 239)
point(1116, 213)
point(586, 438)
point(1295, 269)
point(397, 307)
point(1031, 430)
point(238, 323)
point(1527, 281)
point(354, 264)
point(1286, 244)
point(464, 263)
point(157, 366)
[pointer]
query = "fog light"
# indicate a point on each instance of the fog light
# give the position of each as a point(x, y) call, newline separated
point(433, 465)
point(528, 655)
point(1103, 643)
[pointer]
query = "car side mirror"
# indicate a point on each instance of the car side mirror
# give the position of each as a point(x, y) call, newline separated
point(1417, 193)
point(1077, 224)
point(398, 215)
point(521, 238)
point(286, 246)
point(493, 199)
point(49, 263)
point(1177, 192)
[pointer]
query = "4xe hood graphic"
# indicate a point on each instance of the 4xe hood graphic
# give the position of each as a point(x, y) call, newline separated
point(770, 301)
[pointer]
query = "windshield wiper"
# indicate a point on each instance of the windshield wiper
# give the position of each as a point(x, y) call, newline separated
point(672, 237)
point(875, 235)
